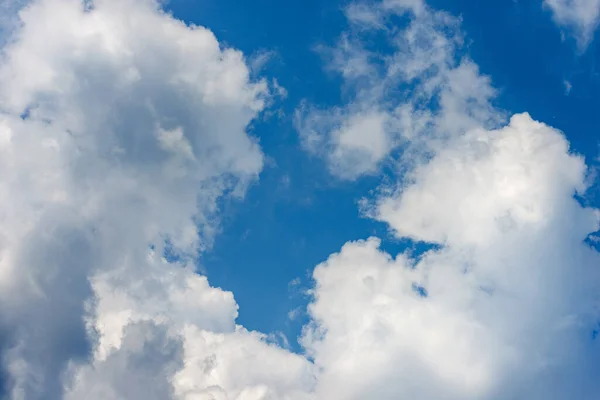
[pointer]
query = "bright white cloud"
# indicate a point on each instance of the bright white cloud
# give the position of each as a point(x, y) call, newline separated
point(505, 304)
point(580, 16)
point(511, 296)
point(120, 127)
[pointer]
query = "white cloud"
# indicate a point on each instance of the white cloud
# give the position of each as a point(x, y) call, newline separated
point(424, 90)
point(505, 303)
point(580, 16)
point(511, 295)
point(120, 128)
point(474, 159)
point(353, 154)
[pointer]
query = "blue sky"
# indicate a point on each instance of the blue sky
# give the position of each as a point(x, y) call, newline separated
point(299, 200)
point(297, 215)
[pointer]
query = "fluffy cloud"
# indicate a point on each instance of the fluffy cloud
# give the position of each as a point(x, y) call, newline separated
point(505, 307)
point(580, 16)
point(120, 128)
point(411, 98)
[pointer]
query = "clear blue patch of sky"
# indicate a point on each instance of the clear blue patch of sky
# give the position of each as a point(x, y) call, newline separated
point(297, 215)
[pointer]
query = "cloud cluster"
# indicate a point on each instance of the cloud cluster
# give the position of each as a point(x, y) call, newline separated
point(580, 16)
point(505, 304)
point(412, 97)
point(504, 307)
point(120, 130)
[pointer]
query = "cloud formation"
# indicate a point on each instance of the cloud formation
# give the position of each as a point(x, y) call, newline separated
point(423, 91)
point(121, 128)
point(505, 307)
point(579, 16)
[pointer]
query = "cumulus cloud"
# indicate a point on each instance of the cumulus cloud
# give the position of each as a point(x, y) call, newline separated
point(417, 94)
point(579, 16)
point(504, 307)
point(120, 129)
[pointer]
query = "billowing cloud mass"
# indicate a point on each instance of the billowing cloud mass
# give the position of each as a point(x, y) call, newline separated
point(505, 308)
point(504, 305)
point(120, 130)
point(581, 17)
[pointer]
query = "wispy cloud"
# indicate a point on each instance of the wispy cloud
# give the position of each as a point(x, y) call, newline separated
point(424, 89)
point(580, 17)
